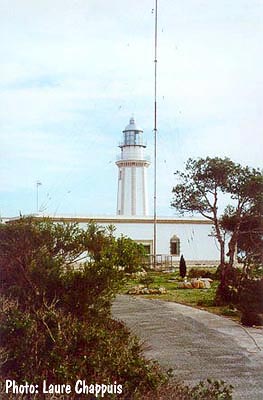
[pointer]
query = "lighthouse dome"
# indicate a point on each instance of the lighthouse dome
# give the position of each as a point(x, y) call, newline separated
point(132, 126)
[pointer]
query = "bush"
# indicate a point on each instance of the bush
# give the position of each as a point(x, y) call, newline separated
point(212, 389)
point(208, 390)
point(202, 273)
point(182, 267)
point(61, 348)
point(55, 321)
point(146, 280)
point(55, 318)
point(251, 302)
point(228, 289)
point(38, 265)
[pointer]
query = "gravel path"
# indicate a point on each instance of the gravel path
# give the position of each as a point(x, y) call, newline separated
point(197, 344)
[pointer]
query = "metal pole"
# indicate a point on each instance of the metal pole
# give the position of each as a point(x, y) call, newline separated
point(38, 183)
point(155, 141)
point(37, 196)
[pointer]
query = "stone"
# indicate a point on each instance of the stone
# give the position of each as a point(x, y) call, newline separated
point(145, 291)
point(197, 284)
point(207, 282)
point(185, 285)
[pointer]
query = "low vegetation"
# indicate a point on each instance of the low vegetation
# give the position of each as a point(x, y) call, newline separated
point(199, 189)
point(241, 296)
point(55, 320)
point(200, 298)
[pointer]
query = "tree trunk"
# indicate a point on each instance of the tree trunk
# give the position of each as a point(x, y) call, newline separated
point(232, 250)
point(221, 242)
point(222, 252)
point(233, 244)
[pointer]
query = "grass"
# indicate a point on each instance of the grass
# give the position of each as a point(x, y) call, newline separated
point(198, 298)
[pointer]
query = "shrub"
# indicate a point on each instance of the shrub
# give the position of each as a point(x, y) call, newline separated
point(202, 273)
point(182, 267)
point(38, 265)
point(55, 318)
point(61, 348)
point(251, 302)
point(212, 389)
point(146, 280)
point(207, 390)
point(228, 289)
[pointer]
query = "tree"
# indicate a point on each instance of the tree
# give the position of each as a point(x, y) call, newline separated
point(39, 264)
point(55, 320)
point(250, 238)
point(182, 267)
point(205, 181)
point(246, 190)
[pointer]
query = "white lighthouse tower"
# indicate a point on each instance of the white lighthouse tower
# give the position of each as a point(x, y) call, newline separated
point(132, 181)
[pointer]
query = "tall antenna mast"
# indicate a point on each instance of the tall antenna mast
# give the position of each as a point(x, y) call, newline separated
point(155, 141)
point(38, 183)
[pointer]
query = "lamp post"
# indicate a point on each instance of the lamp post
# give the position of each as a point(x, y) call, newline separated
point(38, 183)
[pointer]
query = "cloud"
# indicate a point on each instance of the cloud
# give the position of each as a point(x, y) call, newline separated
point(72, 73)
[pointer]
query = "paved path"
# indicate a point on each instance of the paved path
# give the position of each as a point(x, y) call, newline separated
point(197, 344)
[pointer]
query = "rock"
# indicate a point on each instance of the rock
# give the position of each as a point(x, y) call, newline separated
point(207, 282)
point(152, 291)
point(185, 285)
point(145, 291)
point(140, 289)
point(198, 284)
point(180, 285)
point(136, 289)
point(139, 274)
point(195, 283)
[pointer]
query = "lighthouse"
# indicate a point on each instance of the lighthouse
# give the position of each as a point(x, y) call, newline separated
point(132, 175)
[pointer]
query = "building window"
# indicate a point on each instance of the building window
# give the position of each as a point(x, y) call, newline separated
point(147, 248)
point(175, 246)
point(147, 244)
point(129, 138)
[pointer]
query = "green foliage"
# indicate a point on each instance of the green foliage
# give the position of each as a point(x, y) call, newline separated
point(230, 311)
point(38, 264)
point(205, 181)
point(146, 280)
point(251, 301)
point(202, 179)
point(202, 273)
point(201, 297)
point(250, 238)
point(228, 289)
point(55, 313)
point(182, 267)
point(212, 390)
point(245, 293)
point(208, 390)
point(61, 348)
point(55, 319)
point(204, 390)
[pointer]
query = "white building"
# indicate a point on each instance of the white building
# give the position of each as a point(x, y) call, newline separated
point(191, 237)
point(132, 181)
point(188, 236)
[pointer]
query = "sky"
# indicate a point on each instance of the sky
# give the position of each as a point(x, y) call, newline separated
point(73, 72)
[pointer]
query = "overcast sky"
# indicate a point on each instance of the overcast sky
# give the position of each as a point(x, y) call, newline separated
point(73, 72)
